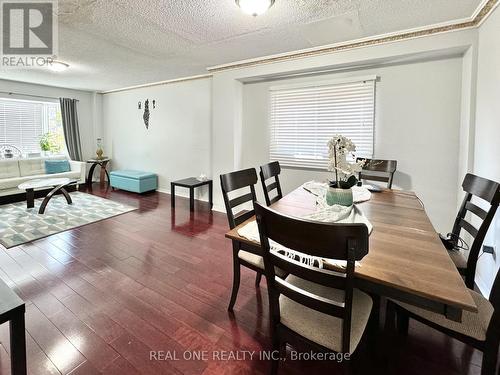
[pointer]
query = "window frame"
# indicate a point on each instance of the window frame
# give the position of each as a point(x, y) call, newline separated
point(44, 111)
point(307, 163)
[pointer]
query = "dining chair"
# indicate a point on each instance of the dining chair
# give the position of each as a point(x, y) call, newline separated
point(378, 170)
point(312, 306)
point(242, 255)
point(479, 329)
point(268, 171)
point(488, 191)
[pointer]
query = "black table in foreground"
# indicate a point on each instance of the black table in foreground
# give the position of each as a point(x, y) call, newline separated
point(191, 183)
point(12, 310)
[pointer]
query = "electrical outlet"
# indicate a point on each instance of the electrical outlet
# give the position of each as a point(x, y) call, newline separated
point(488, 249)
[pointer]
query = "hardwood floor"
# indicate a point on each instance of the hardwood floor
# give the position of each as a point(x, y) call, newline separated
point(101, 297)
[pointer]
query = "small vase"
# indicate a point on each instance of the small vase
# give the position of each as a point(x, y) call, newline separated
point(341, 197)
point(99, 150)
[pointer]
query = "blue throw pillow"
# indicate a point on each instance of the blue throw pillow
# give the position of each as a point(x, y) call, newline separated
point(56, 166)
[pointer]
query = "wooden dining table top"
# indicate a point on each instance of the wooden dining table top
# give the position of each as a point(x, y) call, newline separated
point(405, 253)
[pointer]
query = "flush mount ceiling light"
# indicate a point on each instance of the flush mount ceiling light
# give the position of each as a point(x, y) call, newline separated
point(254, 7)
point(58, 66)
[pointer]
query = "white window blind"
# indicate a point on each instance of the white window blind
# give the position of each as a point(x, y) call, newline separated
point(304, 118)
point(23, 122)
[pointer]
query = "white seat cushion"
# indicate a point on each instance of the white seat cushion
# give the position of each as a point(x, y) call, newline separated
point(11, 183)
point(321, 328)
point(9, 169)
point(35, 166)
point(473, 325)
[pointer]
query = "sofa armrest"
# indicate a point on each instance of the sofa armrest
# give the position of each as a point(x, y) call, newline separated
point(79, 166)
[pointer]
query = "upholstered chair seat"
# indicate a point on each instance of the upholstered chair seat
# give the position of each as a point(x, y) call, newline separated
point(473, 324)
point(324, 329)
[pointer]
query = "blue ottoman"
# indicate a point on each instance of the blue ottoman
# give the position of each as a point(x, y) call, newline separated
point(136, 181)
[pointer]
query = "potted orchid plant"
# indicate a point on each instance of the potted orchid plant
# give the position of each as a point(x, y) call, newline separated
point(339, 191)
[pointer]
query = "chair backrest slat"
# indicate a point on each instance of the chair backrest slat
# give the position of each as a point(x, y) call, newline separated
point(243, 216)
point(310, 300)
point(478, 211)
point(267, 171)
point(378, 166)
point(489, 191)
point(327, 240)
point(364, 176)
point(319, 276)
point(482, 188)
point(468, 227)
point(271, 187)
point(245, 178)
point(347, 242)
point(240, 200)
point(239, 179)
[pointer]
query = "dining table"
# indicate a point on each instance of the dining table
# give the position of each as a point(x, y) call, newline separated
point(406, 259)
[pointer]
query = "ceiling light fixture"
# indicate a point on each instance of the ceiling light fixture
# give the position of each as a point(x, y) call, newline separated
point(58, 66)
point(254, 7)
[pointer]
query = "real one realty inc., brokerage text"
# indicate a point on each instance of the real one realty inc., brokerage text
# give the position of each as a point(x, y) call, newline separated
point(243, 355)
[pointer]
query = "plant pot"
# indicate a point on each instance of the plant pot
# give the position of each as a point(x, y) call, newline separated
point(341, 197)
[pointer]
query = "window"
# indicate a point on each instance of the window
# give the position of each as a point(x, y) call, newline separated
point(23, 123)
point(305, 117)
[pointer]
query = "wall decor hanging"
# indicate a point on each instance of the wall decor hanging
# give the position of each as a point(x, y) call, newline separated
point(146, 115)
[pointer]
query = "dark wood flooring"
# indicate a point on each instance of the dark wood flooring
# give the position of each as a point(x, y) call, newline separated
point(101, 297)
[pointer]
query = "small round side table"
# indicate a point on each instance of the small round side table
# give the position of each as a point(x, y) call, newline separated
point(103, 163)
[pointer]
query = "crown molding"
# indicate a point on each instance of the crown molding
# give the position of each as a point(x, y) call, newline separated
point(477, 18)
point(159, 83)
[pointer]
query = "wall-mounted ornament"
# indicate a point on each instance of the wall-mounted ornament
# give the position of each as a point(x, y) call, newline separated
point(147, 114)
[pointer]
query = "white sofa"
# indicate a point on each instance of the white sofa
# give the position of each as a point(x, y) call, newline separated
point(16, 171)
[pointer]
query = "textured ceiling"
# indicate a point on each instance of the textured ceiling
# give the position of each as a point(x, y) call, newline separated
point(116, 43)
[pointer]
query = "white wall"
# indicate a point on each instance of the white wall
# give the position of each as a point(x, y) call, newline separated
point(487, 137)
point(88, 108)
point(177, 143)
point(417, 123)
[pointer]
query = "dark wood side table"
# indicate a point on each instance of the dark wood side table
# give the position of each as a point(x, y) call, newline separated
point(103, 163)
point(12, 310)
point(191, 183)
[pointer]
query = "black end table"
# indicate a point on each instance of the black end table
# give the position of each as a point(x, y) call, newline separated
point(191, 183)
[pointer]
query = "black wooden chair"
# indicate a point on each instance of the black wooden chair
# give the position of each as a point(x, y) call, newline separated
point(245, 256)
point(312, 306)
point(378, 170)
point(480, 330)
point(488, 191)
point(268, 171)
